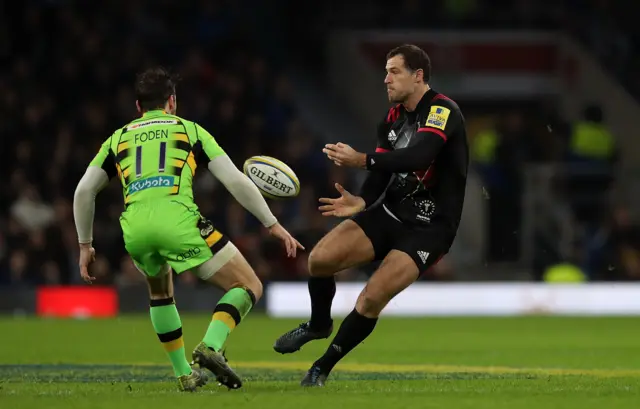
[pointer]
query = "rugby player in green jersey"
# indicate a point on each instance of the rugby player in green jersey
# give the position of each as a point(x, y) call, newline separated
point(155, 158)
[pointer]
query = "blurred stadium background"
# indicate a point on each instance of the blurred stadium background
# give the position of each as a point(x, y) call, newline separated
point(549, 89)
point(551, 96)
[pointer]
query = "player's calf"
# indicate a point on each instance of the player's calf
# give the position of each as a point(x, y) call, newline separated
point(396, 273)
point(167, 324)
point(230, 271)
point(343, 247)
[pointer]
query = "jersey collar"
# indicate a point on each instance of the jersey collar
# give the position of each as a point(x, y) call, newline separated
point(154, 112)
point(426, 99)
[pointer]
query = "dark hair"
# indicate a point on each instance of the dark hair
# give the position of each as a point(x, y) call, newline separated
point(154, 87)
point(415, 58)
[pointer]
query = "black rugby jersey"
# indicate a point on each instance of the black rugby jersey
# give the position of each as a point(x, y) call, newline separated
point(426, 156)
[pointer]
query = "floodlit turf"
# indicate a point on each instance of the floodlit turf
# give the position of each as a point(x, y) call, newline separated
point(449, 363)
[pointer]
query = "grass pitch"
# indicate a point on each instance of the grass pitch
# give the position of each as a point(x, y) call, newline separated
point(479, 363)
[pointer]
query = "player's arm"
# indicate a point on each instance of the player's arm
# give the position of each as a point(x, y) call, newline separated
point(96, 177)
point(236, 182)
point(431, 137)
point(243, 189)
point(376, 182)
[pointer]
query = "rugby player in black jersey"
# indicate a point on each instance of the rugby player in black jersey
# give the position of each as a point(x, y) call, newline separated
point(420, 165)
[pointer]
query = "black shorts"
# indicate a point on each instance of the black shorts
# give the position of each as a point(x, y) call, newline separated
point(425, 245)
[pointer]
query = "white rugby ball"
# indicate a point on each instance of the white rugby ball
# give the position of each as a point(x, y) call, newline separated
point(273, 177)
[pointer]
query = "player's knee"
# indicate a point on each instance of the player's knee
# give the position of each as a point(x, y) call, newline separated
point(321, 262)
point(159, 288)
point(371, 302)
point(253, 285)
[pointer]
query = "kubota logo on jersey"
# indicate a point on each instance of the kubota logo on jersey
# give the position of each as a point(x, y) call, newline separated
point(155, 181)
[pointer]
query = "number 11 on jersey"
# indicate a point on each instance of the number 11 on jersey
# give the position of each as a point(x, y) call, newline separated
point(161, 163)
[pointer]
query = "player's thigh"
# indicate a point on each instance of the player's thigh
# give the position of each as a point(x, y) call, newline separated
point(424, 246)
point(140, 230)
point(161, 285)
point(190, 243)
point(396, 272)
point(345, 246)
point(146, 259)
point(229, 269)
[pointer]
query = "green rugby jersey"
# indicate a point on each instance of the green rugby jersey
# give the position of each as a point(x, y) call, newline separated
point(156, 156)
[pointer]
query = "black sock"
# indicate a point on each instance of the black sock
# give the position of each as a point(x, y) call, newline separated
point(321, 290)
point(354, 329)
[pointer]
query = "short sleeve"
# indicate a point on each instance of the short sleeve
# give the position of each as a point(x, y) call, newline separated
point(105, 159)
point(209, 146)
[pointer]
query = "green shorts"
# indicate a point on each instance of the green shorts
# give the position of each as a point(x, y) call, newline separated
point(168, 232)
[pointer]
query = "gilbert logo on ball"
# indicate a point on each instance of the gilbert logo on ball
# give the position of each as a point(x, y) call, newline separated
point(273, 177)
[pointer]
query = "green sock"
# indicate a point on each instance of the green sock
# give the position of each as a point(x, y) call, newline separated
point(166, 322)
point(231, 309)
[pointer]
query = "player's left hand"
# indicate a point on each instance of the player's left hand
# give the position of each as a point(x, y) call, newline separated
point(291, 244)
point(87, 256)
point(344, 155)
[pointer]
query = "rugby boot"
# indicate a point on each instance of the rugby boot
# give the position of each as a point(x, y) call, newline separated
point(314, 377)
point(293, 340)
point(191, 382)
point(216, 362)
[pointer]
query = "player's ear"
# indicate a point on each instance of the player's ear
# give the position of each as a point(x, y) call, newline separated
point(138, 106)
point(171, 102)
point(419, 75)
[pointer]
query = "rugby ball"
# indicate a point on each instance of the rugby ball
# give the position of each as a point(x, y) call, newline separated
point(273, 177)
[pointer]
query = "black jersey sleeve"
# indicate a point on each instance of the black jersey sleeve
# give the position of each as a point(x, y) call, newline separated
point(442, 121)
point(376, 182)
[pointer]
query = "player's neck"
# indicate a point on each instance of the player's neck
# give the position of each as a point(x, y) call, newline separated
point(154, 111)
point(412, 102)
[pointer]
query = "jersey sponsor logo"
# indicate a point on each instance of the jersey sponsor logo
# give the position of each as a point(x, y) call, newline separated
point(150, 136)
point(188, 254)
point(426, 209)
point(206, 231)
point(271, 180)
point(151, 122)
point(205, 226)
point(438, 117)
point(154, 181)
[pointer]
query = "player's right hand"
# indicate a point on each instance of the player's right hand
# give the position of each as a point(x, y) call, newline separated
point(291, 244)
point(344, 206)
point(87, 256)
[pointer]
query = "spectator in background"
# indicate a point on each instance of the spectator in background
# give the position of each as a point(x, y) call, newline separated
point(66, 92)
point(614, 253)
point(591, 159)
point(498, 154)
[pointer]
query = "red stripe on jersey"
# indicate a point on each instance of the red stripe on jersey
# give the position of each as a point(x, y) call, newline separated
point(425, 176)
point(393, 114)
point(435, 131)
point(381, 150)
point(440, 96)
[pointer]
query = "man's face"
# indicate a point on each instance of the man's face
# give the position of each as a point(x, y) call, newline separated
point(400, 81)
